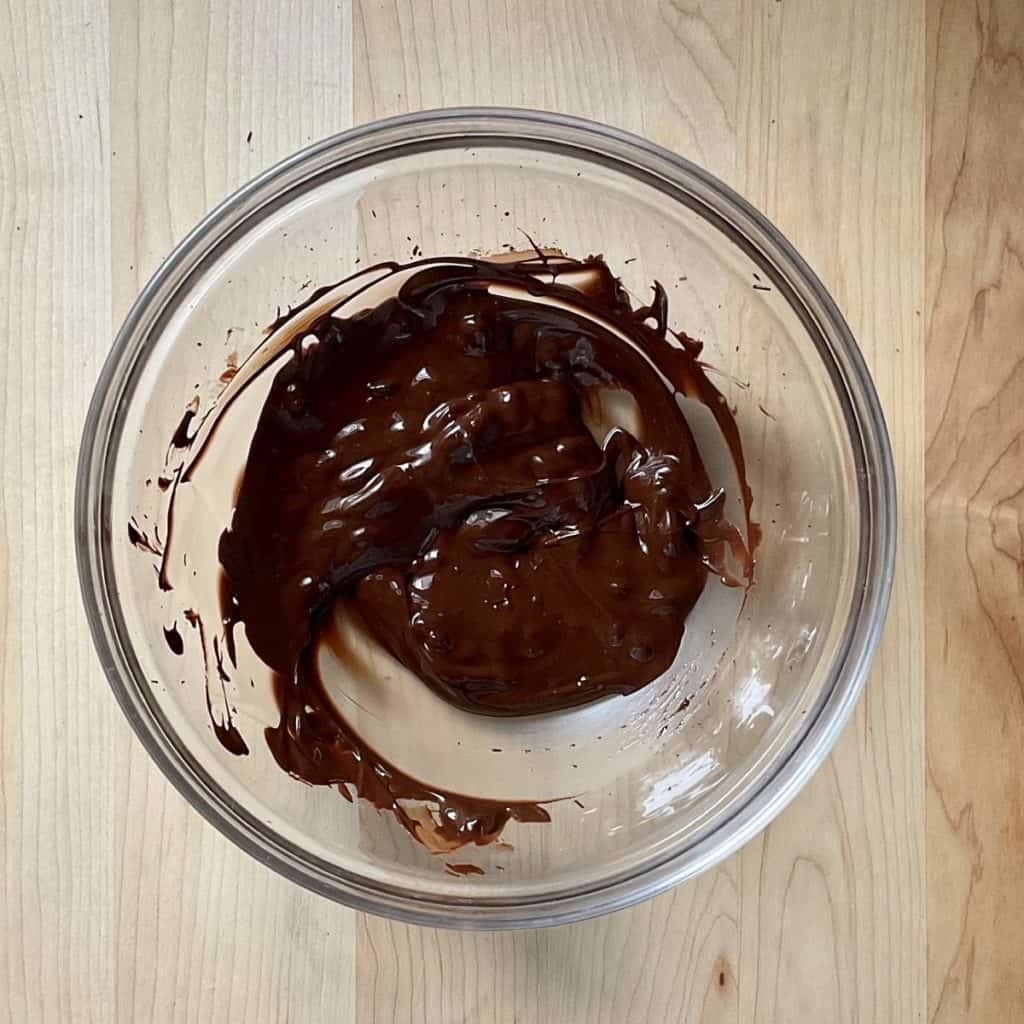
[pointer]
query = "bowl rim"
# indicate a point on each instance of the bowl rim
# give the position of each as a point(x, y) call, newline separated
point(681, 180)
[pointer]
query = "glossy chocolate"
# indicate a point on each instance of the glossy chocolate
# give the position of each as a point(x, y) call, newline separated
point(443, 468)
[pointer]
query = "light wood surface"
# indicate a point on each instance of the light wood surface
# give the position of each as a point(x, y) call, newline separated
point(120, 125)
point(975, 511)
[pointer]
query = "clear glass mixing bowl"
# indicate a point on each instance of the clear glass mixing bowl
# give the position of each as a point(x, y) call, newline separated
point(656, 787)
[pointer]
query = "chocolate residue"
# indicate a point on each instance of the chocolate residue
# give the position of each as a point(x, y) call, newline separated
point(230, 369)
point(316, 744)
point(181, 438)
point(447, 466)
point(228, 735)
point(174, 640)
point(225, 730)
point(139, 539)
point(463, 869)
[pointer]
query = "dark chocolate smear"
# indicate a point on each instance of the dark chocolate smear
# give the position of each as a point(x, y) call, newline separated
point(428, 462)
point(174, 639)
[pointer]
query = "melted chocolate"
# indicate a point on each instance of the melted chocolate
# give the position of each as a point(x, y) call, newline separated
point(225, 730)
point(461, 870)
point(174, 640)
point(138, 539)
point(433, 463)
point(181, 438)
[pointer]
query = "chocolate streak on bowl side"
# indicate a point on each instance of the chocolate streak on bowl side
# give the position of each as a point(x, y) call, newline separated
point(430, 462)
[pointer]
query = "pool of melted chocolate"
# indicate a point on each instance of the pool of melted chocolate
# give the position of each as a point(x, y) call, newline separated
point(439, 466)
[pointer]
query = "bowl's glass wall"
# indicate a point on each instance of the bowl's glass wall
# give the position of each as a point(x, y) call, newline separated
point(646, 777)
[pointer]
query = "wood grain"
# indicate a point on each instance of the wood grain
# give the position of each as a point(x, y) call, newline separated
point(121, 124)
point(729, 85)
point(57, 803)
point(202, 98)
point(119, 129)
point(975, 510)
point(838, 168)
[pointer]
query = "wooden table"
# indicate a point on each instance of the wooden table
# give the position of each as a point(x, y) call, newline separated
point(885, 138)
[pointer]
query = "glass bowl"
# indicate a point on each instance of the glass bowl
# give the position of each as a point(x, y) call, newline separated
point(646, 790)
